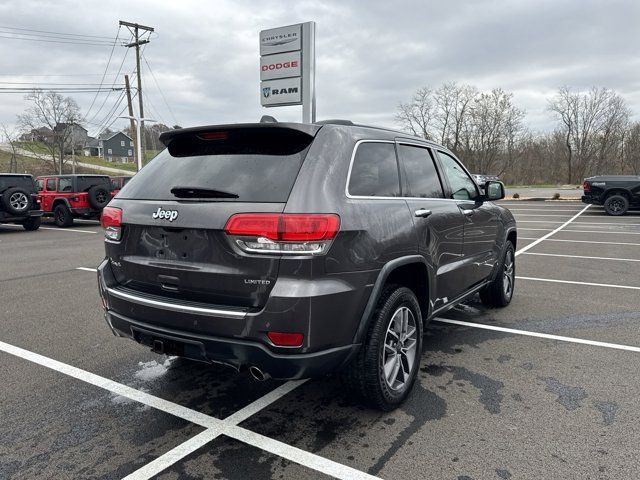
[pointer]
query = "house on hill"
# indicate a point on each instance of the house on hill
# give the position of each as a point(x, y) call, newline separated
point(114, 147)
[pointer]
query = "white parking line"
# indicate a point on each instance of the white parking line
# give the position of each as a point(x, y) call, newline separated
point(583, 231)
point(214, 425)
point(539, 215)
point(50, 228)
point(87, 269)
point(542, 210)
point(546, 236)
point(185, 449)
point(584, 223)
point(539, 335)
point(552, 280)
point(578, 241)
point(583, 256)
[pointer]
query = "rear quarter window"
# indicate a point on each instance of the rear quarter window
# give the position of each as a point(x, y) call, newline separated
point(374, 172)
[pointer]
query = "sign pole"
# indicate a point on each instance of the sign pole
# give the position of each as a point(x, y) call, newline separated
point(309, 72)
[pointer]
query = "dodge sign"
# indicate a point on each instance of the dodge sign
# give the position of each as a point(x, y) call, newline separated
point(282, 65)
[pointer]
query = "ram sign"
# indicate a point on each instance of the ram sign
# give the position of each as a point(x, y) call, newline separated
point(287, 68)
point(285, 91)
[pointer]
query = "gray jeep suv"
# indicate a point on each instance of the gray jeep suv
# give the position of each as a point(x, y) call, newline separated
point(296, 250)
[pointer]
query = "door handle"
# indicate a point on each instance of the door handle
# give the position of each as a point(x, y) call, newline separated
point(468, 212)
point(422, 212)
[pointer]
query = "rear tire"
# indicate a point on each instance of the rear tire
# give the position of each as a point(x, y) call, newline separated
point(385, 368)
point(62, 216)
point(616, 205)
point(500, 291)
point(98, 197)
point(31, 224)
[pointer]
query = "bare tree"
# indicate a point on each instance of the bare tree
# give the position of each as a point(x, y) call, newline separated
point(10, 138)
point(417, 115)
point(591, 122)
point(57, 114)
point(453, 105)
point(631, 148)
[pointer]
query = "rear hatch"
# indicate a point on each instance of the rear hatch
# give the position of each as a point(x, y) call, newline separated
point(175, 209)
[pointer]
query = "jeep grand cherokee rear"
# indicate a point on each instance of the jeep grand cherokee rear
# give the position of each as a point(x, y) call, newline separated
point(206, 259)
point(297, 250)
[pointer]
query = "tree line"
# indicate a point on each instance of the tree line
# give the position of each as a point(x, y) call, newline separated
point(593, 133)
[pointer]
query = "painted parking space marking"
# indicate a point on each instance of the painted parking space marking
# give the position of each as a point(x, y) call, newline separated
point(572, 282)
point(548, 336)
point(214, 425)
point(583, 223)
point(546, 236)
point(87, 269)
point(611, 232)
point(583, 256)
point(581, 241)
point(51, 228)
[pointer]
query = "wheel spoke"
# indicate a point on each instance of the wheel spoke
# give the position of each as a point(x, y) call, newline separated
point(389, 366)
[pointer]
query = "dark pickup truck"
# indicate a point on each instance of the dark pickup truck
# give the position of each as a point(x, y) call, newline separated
point(617, 193)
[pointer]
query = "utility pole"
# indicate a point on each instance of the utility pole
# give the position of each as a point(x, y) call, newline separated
point(132, 125)
point(135, 28)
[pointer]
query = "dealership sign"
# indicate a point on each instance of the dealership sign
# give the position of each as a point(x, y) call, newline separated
point(281, 65)
point(287, 68)
point(283, 91)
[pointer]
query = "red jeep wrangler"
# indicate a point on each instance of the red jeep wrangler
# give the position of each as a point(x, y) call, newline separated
point(66, 197)
point(117, 183)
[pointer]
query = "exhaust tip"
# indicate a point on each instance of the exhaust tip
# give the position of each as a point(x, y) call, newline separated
point(258, 374)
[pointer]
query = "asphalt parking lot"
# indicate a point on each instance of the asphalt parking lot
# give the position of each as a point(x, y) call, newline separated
point(545, 388)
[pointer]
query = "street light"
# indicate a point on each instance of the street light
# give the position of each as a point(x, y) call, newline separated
point(138, 127)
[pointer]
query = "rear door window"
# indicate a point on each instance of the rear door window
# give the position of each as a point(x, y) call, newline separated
point(51, 184)
point(242, 166)
point(419, 172)
point(374, 172)
point(65, 184)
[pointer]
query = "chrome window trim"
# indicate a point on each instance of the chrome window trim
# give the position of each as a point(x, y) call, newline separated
point(366, 197)
point(175, 307)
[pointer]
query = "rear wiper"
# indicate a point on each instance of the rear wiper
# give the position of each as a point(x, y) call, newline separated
point(199, 192)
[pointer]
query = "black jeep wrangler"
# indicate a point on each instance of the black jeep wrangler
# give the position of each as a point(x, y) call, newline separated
point(295, 250)
point(19, 201)
point(617, 193)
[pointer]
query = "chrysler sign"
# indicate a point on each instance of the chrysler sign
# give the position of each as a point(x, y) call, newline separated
point(282, 65)
point(283, 39)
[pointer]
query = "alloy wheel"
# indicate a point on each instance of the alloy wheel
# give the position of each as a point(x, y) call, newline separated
point(18, 201)
point(508, 273)
point(399, 355)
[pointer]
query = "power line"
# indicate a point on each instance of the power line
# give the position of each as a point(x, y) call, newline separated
point(52, 83)
point(114, 82)
point(58, 37)
point(56, 41)
point(164, 99)
point(57, 33)
point(105, 72)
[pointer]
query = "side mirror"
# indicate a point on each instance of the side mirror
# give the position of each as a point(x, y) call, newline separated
point(493, 190)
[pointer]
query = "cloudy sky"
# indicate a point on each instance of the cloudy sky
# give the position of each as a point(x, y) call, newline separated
point(371, 54)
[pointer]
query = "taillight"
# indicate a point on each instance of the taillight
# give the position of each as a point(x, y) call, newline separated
point(289, 233)
point(111, 221)
point(281, 339)
point(586, 186)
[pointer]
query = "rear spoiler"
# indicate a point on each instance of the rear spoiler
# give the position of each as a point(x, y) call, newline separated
point(195, 132)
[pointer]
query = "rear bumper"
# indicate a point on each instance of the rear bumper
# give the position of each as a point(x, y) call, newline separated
point(85, 212)
point(593, 200)
point(237, 336)
point(6, 217)
point(236, 353)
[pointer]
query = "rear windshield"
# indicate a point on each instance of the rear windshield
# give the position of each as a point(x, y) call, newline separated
point(251, 167)
point(22, 181)
point(84, 183)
